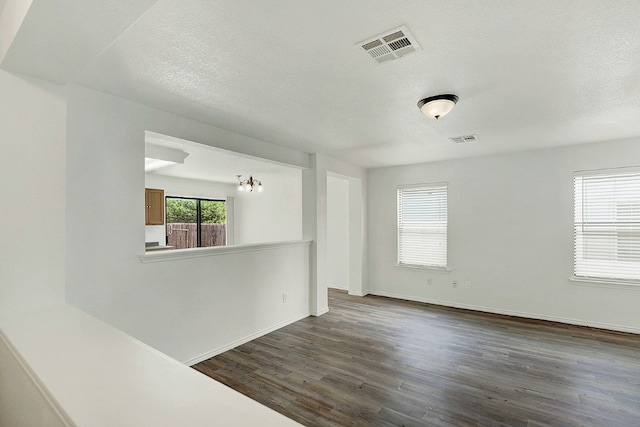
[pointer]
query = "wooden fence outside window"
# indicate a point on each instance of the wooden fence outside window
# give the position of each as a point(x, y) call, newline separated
point(184, 235)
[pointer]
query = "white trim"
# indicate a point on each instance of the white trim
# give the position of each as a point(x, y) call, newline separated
point(608, 171)
point(605, 283)
point(424, 267)
point(414, 201)
point(423, 185)
point(62, 415)
point(172, 255)
point(321, 312)
point(238, 342)
point(566, 320)
point(358, 294)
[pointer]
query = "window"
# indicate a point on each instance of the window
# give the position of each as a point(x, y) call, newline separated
point(422, 225)
point(607, 225)
point(195, 223)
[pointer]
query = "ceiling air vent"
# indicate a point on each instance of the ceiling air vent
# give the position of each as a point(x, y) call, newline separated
point(465, 138)
point(390, 45)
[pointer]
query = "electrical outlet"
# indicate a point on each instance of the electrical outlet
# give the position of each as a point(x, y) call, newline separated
point(455, 283)
point(284, 297)
point(429, 281)
point(467, 285)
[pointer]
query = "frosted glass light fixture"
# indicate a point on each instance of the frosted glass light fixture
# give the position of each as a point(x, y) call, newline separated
point(437, 106)
point(249, 184)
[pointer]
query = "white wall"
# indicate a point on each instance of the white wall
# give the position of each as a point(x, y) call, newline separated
point(173, 186)
point(12, 14)
point(190, 187)
point(272, 215)
point(314, 205)
point(22, 403)
point(82, 372)
point(184, 308)
point(510, 235)
point(337, 233)
point(32, 167)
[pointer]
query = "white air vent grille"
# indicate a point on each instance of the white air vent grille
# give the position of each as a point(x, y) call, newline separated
point(390, 45)
point(465, 138)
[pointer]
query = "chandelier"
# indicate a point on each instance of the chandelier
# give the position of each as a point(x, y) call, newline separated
point(248, 184)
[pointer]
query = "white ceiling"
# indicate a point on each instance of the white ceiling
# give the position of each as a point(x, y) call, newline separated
point(206, 163)
point(529, 74)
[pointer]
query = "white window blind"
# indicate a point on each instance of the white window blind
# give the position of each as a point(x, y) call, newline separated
point(607, 225)
point(422, 225)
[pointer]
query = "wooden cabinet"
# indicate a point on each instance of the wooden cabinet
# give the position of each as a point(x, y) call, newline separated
point(154, 206)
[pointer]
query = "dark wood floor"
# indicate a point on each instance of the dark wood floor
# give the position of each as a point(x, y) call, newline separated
point(380, 362)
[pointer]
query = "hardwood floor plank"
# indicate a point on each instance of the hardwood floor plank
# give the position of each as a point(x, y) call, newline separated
point(376, 361)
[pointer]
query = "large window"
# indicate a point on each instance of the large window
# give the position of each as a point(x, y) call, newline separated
point(195, 223)
point(607, 225)
point(422, 226)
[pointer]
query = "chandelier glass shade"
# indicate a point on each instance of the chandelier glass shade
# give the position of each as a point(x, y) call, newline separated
point(249, 184)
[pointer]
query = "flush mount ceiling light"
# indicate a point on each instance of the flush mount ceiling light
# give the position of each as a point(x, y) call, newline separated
point(248, 184)
point(437, 106)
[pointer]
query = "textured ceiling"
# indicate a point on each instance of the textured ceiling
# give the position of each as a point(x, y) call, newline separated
point(530, 74)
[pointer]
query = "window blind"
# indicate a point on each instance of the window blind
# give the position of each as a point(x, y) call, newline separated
point(422, 225)
point(607, 225)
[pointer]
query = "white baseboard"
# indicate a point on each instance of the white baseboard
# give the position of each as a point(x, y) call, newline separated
point(243, 340)
point(358, 294)
point(321, 312)
point(570, 321)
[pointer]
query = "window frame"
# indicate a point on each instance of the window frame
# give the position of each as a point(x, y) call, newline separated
point(437, 187)
point(198, 201)
point(610, 228)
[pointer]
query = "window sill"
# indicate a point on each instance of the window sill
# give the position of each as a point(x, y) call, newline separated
point(176, 254)
point(424, 267)
point(605, 283)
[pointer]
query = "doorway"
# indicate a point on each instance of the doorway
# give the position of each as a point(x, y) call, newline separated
point(344, 233)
